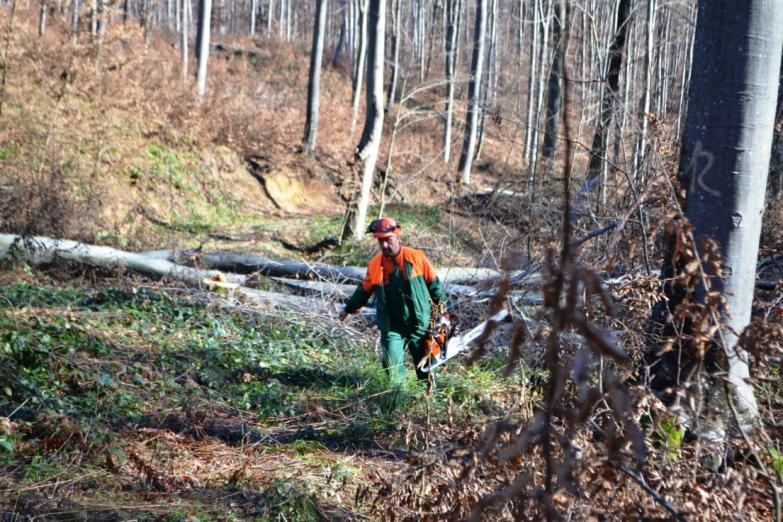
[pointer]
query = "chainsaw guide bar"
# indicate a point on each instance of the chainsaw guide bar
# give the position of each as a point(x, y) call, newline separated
point(460, 343)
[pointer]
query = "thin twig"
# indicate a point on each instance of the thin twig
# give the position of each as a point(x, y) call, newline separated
point(653, 493)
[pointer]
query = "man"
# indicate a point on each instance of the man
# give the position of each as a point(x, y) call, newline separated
point(405, 284)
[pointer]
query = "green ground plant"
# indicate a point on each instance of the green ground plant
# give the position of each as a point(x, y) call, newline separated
point(84, 365)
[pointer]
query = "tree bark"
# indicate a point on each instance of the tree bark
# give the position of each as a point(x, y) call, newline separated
point(204, 21)
point(610, 93)
point(370, 142)
point(314, 82)
point(184, 40)
point(453, 8)
point(474, 95)
point(356, 86)
point(555, 81)
point(250, 264)
point(723, 166)
point(42, 20)
point(395, 62)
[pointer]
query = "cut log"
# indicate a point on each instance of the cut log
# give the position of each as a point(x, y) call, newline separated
point(38, 250)
point(251, 263)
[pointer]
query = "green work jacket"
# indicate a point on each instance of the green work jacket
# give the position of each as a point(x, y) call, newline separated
point(410, 276)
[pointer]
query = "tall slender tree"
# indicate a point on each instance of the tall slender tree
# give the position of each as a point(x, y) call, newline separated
point(474, 94)
point(314, 82)
point(370, 142)
point(204, 21)
point(611, 90)
point(453, 9)
point(555, 79)
point(358, 70)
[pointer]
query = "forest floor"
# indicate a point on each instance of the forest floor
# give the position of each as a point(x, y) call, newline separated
point(124, 398)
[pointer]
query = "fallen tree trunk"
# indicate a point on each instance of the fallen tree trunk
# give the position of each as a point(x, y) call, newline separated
point(251, 263)
point(39, 251)
point(341, 290)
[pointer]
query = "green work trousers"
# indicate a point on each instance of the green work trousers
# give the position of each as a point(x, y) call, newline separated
point(394, 344)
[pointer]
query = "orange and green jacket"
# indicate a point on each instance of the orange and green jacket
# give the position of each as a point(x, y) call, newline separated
point(408, 284)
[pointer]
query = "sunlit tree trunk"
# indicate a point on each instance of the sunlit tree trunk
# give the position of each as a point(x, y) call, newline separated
point(253, 14)
point(204, 19)
point(723, 166)
point(360, 62)
point(395, 62)
point(647, 87)
point(598, 149)
point(486, 91)
point(531, 85)
point(42, 19)
point(314, 83)
point(184, 40)
point(474, 92)
point(370, 142)
point(75, 20)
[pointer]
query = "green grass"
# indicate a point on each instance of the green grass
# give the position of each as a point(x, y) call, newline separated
point(98, 361)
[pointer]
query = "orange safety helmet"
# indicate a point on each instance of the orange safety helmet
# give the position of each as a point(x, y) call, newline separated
point(384, 227)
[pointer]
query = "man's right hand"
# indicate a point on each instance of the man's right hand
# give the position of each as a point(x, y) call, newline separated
point(343, 315)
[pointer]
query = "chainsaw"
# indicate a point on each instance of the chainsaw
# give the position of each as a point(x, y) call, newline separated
point(438, 350)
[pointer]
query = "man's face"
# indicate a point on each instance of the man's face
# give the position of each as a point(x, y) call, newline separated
point(390, 246)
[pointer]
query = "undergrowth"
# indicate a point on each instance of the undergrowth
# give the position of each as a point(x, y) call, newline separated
point(96, 378)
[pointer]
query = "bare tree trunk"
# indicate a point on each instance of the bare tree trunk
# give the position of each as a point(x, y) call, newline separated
point(540, 91)
point(360, 61)
point(204, 21)
point(93, 18)
point(474, 95)
point(555, 81)
point(42, 20)
point(314, 83)
point(723, 166)
point(646, 91)
point(253, 14)
point(341, 40)
point(270, 14)
point(369, 144)
point(184, 40)
point(531, 86)
point(75, 20)
point(395, 65)
point(486, 92)
point(453, 8)
point(611, 91)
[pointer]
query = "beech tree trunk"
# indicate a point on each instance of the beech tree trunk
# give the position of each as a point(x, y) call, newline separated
point(314, 83)
point(610, 93)
point(723, 166)
point(474, 95)
point(555, 81)
point(184, 40)
point(356, 86)
point(42, 20)
point(453, 8)
point(370, 142)
point(204, 21)
point(395, 61)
